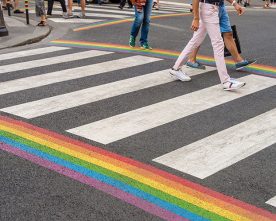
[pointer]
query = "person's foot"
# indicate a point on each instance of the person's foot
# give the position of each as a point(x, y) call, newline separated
point(132, 41)
point(179, 74)
point(244, 63)
point(195, 65)
point(120, 7)
point(42, 23)
point(232, 84)
point(17, 11)
point(68, 16)
point(64, 14)
point(81, 15)
point(130, 6)
point(145, 46)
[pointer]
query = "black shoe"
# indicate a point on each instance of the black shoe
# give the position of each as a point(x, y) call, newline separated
point(120, 7)
point(17, 11)
point(130, 6)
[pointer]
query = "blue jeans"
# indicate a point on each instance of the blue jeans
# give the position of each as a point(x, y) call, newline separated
point(142, 18)
point(224, 21)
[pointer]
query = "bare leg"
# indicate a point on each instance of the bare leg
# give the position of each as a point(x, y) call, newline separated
point(43, 18)
point(192, 57)
point(70, 6)
point(83, 7)
point(231, 46)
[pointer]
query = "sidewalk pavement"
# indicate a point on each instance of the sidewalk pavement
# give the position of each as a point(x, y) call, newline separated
point(20, 33)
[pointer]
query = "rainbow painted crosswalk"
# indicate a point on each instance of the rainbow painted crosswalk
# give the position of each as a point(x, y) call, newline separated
point(259, 69)
point(146, 187)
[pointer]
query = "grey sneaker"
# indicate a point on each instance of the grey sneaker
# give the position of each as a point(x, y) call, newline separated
point(68, 16)
point(244, 63)
point(81, 15)
point(64, 14)
point(179, 74)
point(233, 84)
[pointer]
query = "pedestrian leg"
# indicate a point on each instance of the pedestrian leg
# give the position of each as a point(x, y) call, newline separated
point(146, 23)
point(218, 48)
point(122, 4)
point(63, 5)
point(50, 7)
point(139, 17)
point(194, 43)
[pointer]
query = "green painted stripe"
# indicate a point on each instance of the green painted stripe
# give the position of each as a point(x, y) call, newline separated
point(157, 193)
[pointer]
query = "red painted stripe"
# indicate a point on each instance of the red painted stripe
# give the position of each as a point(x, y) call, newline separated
point(126, 197)
point(199, 188)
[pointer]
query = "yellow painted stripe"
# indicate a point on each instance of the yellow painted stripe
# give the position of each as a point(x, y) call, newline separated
point(200, 203)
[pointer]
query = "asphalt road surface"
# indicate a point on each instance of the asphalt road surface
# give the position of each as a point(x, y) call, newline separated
point(93, 130)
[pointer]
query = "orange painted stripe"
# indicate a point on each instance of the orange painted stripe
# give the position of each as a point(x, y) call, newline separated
point(143, 172)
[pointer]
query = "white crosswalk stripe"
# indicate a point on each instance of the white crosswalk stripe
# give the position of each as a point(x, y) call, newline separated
point(89, 14)
point(223, 146)
point(62, 102)
point(124, 12)
point(49, 105)
point(164, 8)
point(229, 146)
point(95, 13)
point(76, 20)
point(31, 52)
point(127, 124)
point(49, 61)
point(272, 201)
point(91, 10)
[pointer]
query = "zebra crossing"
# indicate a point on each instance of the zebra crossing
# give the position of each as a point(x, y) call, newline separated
point(108, 99)
point(99, 13)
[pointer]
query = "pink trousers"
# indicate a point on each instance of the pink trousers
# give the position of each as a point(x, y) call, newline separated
point(208, 23)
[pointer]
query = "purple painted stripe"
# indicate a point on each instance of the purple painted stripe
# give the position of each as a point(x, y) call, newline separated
point(146, 206)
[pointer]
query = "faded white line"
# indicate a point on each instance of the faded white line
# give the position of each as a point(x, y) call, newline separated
point(272, 201)
point(75, 20)
point(31, 52)
point(133, 122)
point(221, 150)
point(77, 98)
point(48, 61)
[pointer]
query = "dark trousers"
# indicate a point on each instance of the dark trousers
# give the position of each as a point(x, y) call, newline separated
point(123, 2)
point(51, 4)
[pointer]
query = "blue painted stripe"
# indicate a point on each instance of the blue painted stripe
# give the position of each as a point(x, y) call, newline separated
point(115, 183)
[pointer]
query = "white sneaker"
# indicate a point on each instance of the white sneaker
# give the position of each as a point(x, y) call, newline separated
point(68, 16)
point(179, 74)
point(81, 15)
point(233, 84)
